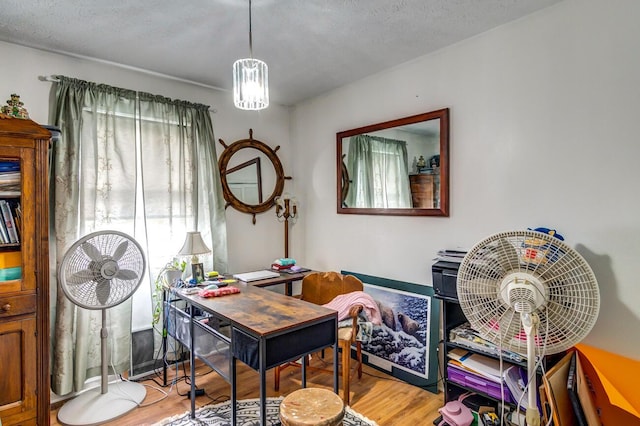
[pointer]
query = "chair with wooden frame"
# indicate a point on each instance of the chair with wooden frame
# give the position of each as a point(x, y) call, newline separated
point(321, 288)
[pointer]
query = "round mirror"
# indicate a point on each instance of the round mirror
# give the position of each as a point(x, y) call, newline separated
point(251, 175)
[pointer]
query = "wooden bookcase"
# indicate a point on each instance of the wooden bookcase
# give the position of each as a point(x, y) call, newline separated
point(24, 276)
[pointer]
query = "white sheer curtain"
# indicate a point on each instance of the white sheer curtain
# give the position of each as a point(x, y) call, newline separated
point(135, 163)
point(379, 172)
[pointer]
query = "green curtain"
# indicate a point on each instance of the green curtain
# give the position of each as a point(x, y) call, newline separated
point(140, 164)
point(379, 173)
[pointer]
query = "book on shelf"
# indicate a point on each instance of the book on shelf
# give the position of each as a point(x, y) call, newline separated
point(9, 221)
point(4, 235)
point(278, 267)
point(489, 368)
point(465, 335)
point(572, 389)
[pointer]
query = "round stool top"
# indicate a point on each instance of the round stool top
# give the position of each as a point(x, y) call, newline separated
point(311, 406)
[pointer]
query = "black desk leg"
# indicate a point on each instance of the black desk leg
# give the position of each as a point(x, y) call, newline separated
point(263, 382)
point(192, 361)
point(304, 370)
point(233, 389)
point(164, 336)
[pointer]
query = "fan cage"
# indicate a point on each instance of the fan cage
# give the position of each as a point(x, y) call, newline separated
point(562, 278)
point(82, 271)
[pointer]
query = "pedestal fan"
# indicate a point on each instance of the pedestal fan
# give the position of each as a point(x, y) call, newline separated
point(529, 292)
point(99, 271)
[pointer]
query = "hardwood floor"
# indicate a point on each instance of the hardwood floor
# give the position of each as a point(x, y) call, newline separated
point(378, 396)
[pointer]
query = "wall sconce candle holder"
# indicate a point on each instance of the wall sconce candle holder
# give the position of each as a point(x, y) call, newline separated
point(286, 208)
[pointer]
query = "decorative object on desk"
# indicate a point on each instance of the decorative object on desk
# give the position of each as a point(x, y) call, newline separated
point(286, 208)
point(15, 108)
point(256, 275)
point(99, 271)
point(283, 264)
point(248, 412)
point(531, 293)
point(193, 246)
point(217, 292)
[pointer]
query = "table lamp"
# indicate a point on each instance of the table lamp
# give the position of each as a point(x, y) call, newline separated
point(193, 246)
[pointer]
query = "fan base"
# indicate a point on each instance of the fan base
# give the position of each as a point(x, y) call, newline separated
point(93, 407)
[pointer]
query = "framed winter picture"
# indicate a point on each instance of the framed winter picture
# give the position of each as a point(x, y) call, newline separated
point(405, 345)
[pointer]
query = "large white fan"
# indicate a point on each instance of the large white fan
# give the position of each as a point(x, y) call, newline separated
point(99, 271)
point(531, 293)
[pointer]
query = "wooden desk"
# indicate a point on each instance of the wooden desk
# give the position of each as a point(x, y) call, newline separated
point(266, 329)
point(285, 278)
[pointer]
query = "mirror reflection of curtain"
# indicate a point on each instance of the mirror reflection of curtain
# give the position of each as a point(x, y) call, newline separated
point(379, 172)
point(245, 181)
point(135, 163)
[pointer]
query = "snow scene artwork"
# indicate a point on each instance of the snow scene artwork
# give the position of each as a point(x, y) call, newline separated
point(403, 338)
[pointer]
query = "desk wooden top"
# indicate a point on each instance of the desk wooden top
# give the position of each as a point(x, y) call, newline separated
point(284, 278)
point(260, 311)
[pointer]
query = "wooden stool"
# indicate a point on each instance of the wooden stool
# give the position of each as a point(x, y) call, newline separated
point(312, 407)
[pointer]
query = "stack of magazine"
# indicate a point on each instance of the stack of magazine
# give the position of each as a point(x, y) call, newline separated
point(465, 335)
point(451, 255)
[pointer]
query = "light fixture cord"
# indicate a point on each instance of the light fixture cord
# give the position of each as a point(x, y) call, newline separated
point(250, 34)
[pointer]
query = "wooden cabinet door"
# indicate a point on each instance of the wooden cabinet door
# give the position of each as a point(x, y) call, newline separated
point(18, 361)
point(20, 255)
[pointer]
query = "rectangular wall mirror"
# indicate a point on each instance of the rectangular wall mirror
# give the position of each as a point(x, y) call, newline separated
point(398, 167)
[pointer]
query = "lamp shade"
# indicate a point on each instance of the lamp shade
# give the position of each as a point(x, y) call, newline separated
point(193, 245)
point(250, 84)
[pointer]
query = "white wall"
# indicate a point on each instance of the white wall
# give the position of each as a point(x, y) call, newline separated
point(544, 132)
point(250, 246)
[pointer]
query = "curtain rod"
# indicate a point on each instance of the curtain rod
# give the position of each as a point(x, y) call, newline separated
point(52, 79)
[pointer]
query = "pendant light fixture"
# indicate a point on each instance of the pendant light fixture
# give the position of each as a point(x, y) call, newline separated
point(250, 80)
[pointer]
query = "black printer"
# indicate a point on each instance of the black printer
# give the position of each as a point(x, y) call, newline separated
point(445, 277)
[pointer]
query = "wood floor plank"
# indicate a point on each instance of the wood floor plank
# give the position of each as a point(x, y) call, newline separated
point(378, 396)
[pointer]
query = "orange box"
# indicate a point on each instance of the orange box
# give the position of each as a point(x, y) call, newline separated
point(10, 259)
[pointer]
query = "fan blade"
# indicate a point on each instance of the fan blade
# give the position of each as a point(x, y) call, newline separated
point(120, 250)
point(92, 251)
point(103, 290)
point(80, 277)
point(507, 256)
point(126, 274)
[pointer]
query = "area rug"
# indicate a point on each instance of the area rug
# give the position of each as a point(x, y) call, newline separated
point(248, 414)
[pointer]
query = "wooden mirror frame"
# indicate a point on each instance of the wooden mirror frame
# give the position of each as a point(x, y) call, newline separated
point(442, 210)
point(223, 163)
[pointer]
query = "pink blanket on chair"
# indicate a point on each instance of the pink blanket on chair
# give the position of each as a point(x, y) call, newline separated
point(344, 302)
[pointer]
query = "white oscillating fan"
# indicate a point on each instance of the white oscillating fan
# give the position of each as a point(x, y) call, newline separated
point(99, 271)
point(531, 293)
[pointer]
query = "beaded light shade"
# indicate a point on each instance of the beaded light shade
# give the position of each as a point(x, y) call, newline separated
point(250, 84)
point(250, 80)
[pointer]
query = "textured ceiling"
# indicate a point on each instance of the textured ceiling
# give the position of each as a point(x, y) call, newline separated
point(310, 46)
